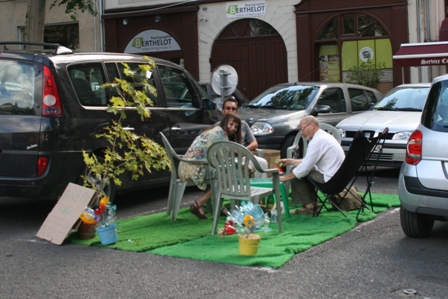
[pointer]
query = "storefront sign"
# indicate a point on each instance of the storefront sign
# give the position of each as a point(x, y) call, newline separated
point(329, 63)
point(245, 9)
point(366, 54)
point(152, 41)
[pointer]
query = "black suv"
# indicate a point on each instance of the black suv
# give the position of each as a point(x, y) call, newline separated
point(52, 106)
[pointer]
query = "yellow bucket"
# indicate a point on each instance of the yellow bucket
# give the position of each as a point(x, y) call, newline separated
point(249, 244)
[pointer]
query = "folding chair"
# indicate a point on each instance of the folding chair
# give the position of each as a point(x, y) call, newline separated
point(355, 162)
point(231, 163)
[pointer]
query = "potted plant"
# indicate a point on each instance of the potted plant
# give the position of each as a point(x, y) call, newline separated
point(127, 151)
point(248, 242)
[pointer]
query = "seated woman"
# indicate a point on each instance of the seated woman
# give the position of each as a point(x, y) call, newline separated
point(229, 129)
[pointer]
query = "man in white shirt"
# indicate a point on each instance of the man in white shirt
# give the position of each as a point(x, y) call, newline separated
point(230, 105)
point(322, 160)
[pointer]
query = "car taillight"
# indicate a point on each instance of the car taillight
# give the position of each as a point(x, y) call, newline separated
point(51, 102)
point(414, 148)
point(42, 163)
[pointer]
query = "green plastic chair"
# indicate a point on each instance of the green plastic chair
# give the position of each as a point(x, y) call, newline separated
point(177, 187)
point(230, 161)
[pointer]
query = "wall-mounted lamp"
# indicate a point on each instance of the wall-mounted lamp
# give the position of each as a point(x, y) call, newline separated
point(125, 21)
point(158, 19)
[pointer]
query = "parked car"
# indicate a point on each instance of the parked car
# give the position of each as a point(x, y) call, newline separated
point(237, 94)
point(399, 110)
point(274, 115)
point(423, 181)
point(52, 107)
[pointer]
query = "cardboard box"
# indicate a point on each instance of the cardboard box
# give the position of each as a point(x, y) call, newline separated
point(271, 155)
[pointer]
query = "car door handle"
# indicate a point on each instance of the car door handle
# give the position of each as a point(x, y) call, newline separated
point(128, 128)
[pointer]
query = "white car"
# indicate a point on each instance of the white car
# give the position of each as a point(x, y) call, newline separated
point(400, 110)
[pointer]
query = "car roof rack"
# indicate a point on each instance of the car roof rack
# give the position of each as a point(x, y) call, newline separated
point(57, 47)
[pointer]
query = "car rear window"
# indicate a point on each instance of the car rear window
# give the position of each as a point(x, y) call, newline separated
point(17, 87)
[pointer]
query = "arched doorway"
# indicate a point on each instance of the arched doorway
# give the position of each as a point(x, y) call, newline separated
point(256, 51)
point(350, 40)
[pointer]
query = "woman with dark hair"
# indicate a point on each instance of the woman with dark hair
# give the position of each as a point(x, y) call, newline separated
point(228, 129)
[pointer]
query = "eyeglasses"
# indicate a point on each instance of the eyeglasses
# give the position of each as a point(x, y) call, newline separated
point(231, 108)
point(303, 128)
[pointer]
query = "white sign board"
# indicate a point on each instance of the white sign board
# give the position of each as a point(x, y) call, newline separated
point(242, 9)
point(152, 41)
point(65, 213)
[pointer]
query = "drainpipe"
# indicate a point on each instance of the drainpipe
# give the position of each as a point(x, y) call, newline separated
point(428, 33)
point(100, 14)
point(419, 33)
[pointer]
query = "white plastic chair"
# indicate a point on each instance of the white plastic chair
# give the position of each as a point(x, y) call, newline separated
point(177, 187)
point(231, 163)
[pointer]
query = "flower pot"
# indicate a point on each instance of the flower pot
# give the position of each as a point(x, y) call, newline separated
point(108, 234)
point(249, 244)
point(86, 231)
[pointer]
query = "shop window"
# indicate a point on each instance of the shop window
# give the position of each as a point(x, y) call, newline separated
point(248, 27)
point(369, 27)
point(330, 31)
point(359, 25)
point(349, 25)
point(362, 40)
point(66, 35)
point(260, 28)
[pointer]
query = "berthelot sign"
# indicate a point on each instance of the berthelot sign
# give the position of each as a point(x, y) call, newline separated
point(149, 41)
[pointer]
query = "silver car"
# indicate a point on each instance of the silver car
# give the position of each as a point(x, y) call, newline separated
point(275, 114)
point(423, 179)
point(400, 110)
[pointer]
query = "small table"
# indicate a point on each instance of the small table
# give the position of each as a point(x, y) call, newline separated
point(267, 182)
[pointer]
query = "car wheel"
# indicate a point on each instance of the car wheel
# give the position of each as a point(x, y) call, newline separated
point(287, 142)
point(416, 225)
point(95, 180)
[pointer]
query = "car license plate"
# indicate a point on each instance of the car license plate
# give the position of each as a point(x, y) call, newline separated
point(378, 149)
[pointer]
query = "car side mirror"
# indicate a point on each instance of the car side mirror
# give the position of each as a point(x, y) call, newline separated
point(320, 109)
point(208, 104)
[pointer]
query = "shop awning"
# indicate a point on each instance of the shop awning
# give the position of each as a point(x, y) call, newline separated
point(422, 54)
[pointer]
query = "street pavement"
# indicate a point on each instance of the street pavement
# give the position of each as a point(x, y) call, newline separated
point(374, 260)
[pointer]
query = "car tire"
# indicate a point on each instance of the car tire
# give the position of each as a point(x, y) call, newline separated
point(287, 142)
point(109, 189)
point(416, 225)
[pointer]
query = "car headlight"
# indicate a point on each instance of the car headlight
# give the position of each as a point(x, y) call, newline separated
point(402, 135)
point(342, 132)
point(261, 128)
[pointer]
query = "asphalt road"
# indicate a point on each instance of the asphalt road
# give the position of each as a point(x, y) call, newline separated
point(375, 260)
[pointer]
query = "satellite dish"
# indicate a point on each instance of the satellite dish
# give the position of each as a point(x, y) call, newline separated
point(224, 80)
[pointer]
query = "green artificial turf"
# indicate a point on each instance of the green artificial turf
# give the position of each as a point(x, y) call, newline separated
point(189, 237)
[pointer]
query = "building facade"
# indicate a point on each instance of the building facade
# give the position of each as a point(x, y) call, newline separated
point(266, 41)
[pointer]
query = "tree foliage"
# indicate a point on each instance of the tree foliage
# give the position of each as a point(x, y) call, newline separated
point(72, 6)
point(366, 74)
point(127, 152)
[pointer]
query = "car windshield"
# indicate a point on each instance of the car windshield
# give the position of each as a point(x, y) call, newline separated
point(404, 99)
point(296, 97)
